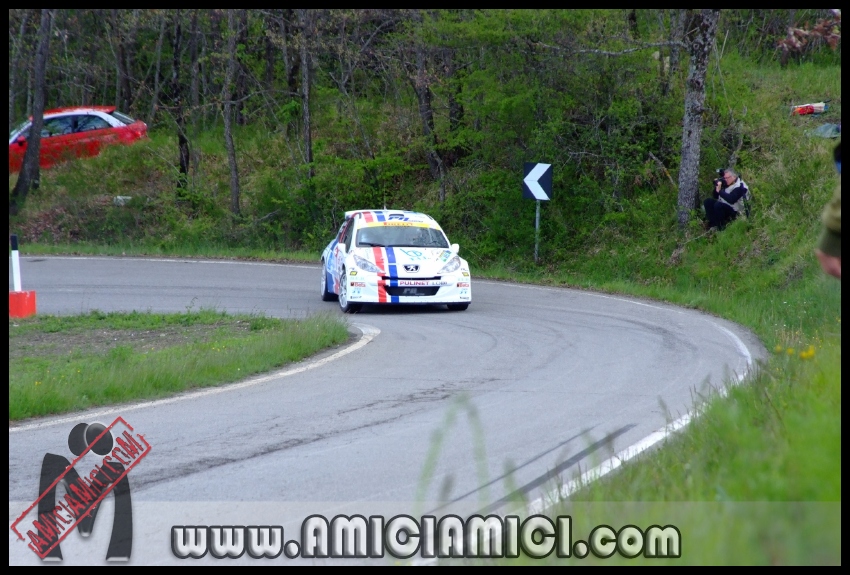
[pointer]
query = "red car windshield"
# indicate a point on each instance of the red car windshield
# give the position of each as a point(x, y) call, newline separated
point(124, 118)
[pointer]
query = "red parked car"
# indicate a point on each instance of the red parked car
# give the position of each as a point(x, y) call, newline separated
point(75, 132)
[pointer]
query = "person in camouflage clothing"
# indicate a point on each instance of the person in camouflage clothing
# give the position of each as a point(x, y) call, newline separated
point(829, 245)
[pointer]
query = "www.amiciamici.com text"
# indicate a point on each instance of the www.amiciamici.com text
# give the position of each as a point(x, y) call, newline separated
point(404, 537)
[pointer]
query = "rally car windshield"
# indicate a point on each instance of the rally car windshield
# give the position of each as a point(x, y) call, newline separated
point(413, 236)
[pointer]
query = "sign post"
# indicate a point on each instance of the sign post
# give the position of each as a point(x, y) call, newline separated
point(537, 185)
point(536, 231)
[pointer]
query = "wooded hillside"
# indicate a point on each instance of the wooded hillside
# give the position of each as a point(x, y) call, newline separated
point(313, 112)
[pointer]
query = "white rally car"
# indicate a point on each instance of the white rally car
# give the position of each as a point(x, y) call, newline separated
point(393, 257)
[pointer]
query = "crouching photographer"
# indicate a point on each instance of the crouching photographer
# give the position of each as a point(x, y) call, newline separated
point(730, 195)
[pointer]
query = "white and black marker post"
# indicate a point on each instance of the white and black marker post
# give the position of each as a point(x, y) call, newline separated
point(537, 185)
point(16, 264)
point(21, 303)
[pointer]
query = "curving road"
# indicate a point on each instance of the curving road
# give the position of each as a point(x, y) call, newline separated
point(541, 381)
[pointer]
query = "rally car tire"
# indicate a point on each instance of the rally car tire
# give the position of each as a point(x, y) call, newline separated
point(344, 304)
point(326, 295)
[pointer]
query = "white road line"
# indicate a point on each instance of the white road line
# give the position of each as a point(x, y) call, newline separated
point(742, 349)
point(368, 334)
point(548, 500)
point(541, 504)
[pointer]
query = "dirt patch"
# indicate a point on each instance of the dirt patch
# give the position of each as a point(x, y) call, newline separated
point(100, 341)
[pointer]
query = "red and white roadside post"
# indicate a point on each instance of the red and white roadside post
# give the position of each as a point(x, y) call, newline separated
point(21, 303)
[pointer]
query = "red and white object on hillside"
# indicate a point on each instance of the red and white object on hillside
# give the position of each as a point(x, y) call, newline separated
point(802, 110)
point(21, 303)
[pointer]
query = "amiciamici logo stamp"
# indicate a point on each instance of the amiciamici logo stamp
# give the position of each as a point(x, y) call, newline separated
point(50, 519)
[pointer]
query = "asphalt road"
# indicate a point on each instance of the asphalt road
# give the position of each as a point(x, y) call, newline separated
point(427, 411)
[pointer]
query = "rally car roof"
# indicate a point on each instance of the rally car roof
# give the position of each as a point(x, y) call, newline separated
point(387, 213)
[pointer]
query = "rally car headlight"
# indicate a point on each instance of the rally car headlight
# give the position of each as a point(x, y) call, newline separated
point(366, 265)
point(452, 266)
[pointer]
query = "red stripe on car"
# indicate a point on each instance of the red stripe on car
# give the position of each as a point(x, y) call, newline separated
point(379, 261)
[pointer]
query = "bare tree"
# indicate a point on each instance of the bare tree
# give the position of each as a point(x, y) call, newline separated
point(268, 44)
point(241, 75)
point(677, 33)
point(90, 76)
point(456, 111)
point(227, 96)
point(305, 22)
point(155, 96)
point(421, 81)
point(15, 56)
point(176, 89)
point(701, 39)
point(29, 174)
point(123, 96)
point(194, 86)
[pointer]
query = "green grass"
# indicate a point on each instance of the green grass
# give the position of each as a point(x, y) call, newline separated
point(80, 369)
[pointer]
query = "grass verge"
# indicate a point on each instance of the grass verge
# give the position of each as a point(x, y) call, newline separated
point(68, 363)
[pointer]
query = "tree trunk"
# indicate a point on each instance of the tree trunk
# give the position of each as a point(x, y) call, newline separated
point(241, 76)
point(30, 173)
point(705, 24)
point(289, 65)
point(14, 57)
point(194, 95)
point(122, 100)
point(305, 21)
point(633, 24)
point(677, 34)
point(129, 58)
point(90, 78)
point(455, 105)
point(29, 106)
point(204, 73)
point(177, 99)
point(227, 96)
point(155, 97)
point(422, 88)
point(270, 60)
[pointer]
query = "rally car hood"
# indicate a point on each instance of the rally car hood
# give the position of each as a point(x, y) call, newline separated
point(407, 262)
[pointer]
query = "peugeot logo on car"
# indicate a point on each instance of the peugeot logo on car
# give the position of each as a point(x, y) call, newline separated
point(411, 268)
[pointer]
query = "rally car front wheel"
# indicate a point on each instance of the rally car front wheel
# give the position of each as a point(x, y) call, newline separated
point(344, 304)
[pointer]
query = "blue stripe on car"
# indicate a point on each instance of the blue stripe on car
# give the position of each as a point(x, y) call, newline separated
point(393, 269)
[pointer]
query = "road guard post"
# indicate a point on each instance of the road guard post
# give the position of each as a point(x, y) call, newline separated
point(21, 303)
